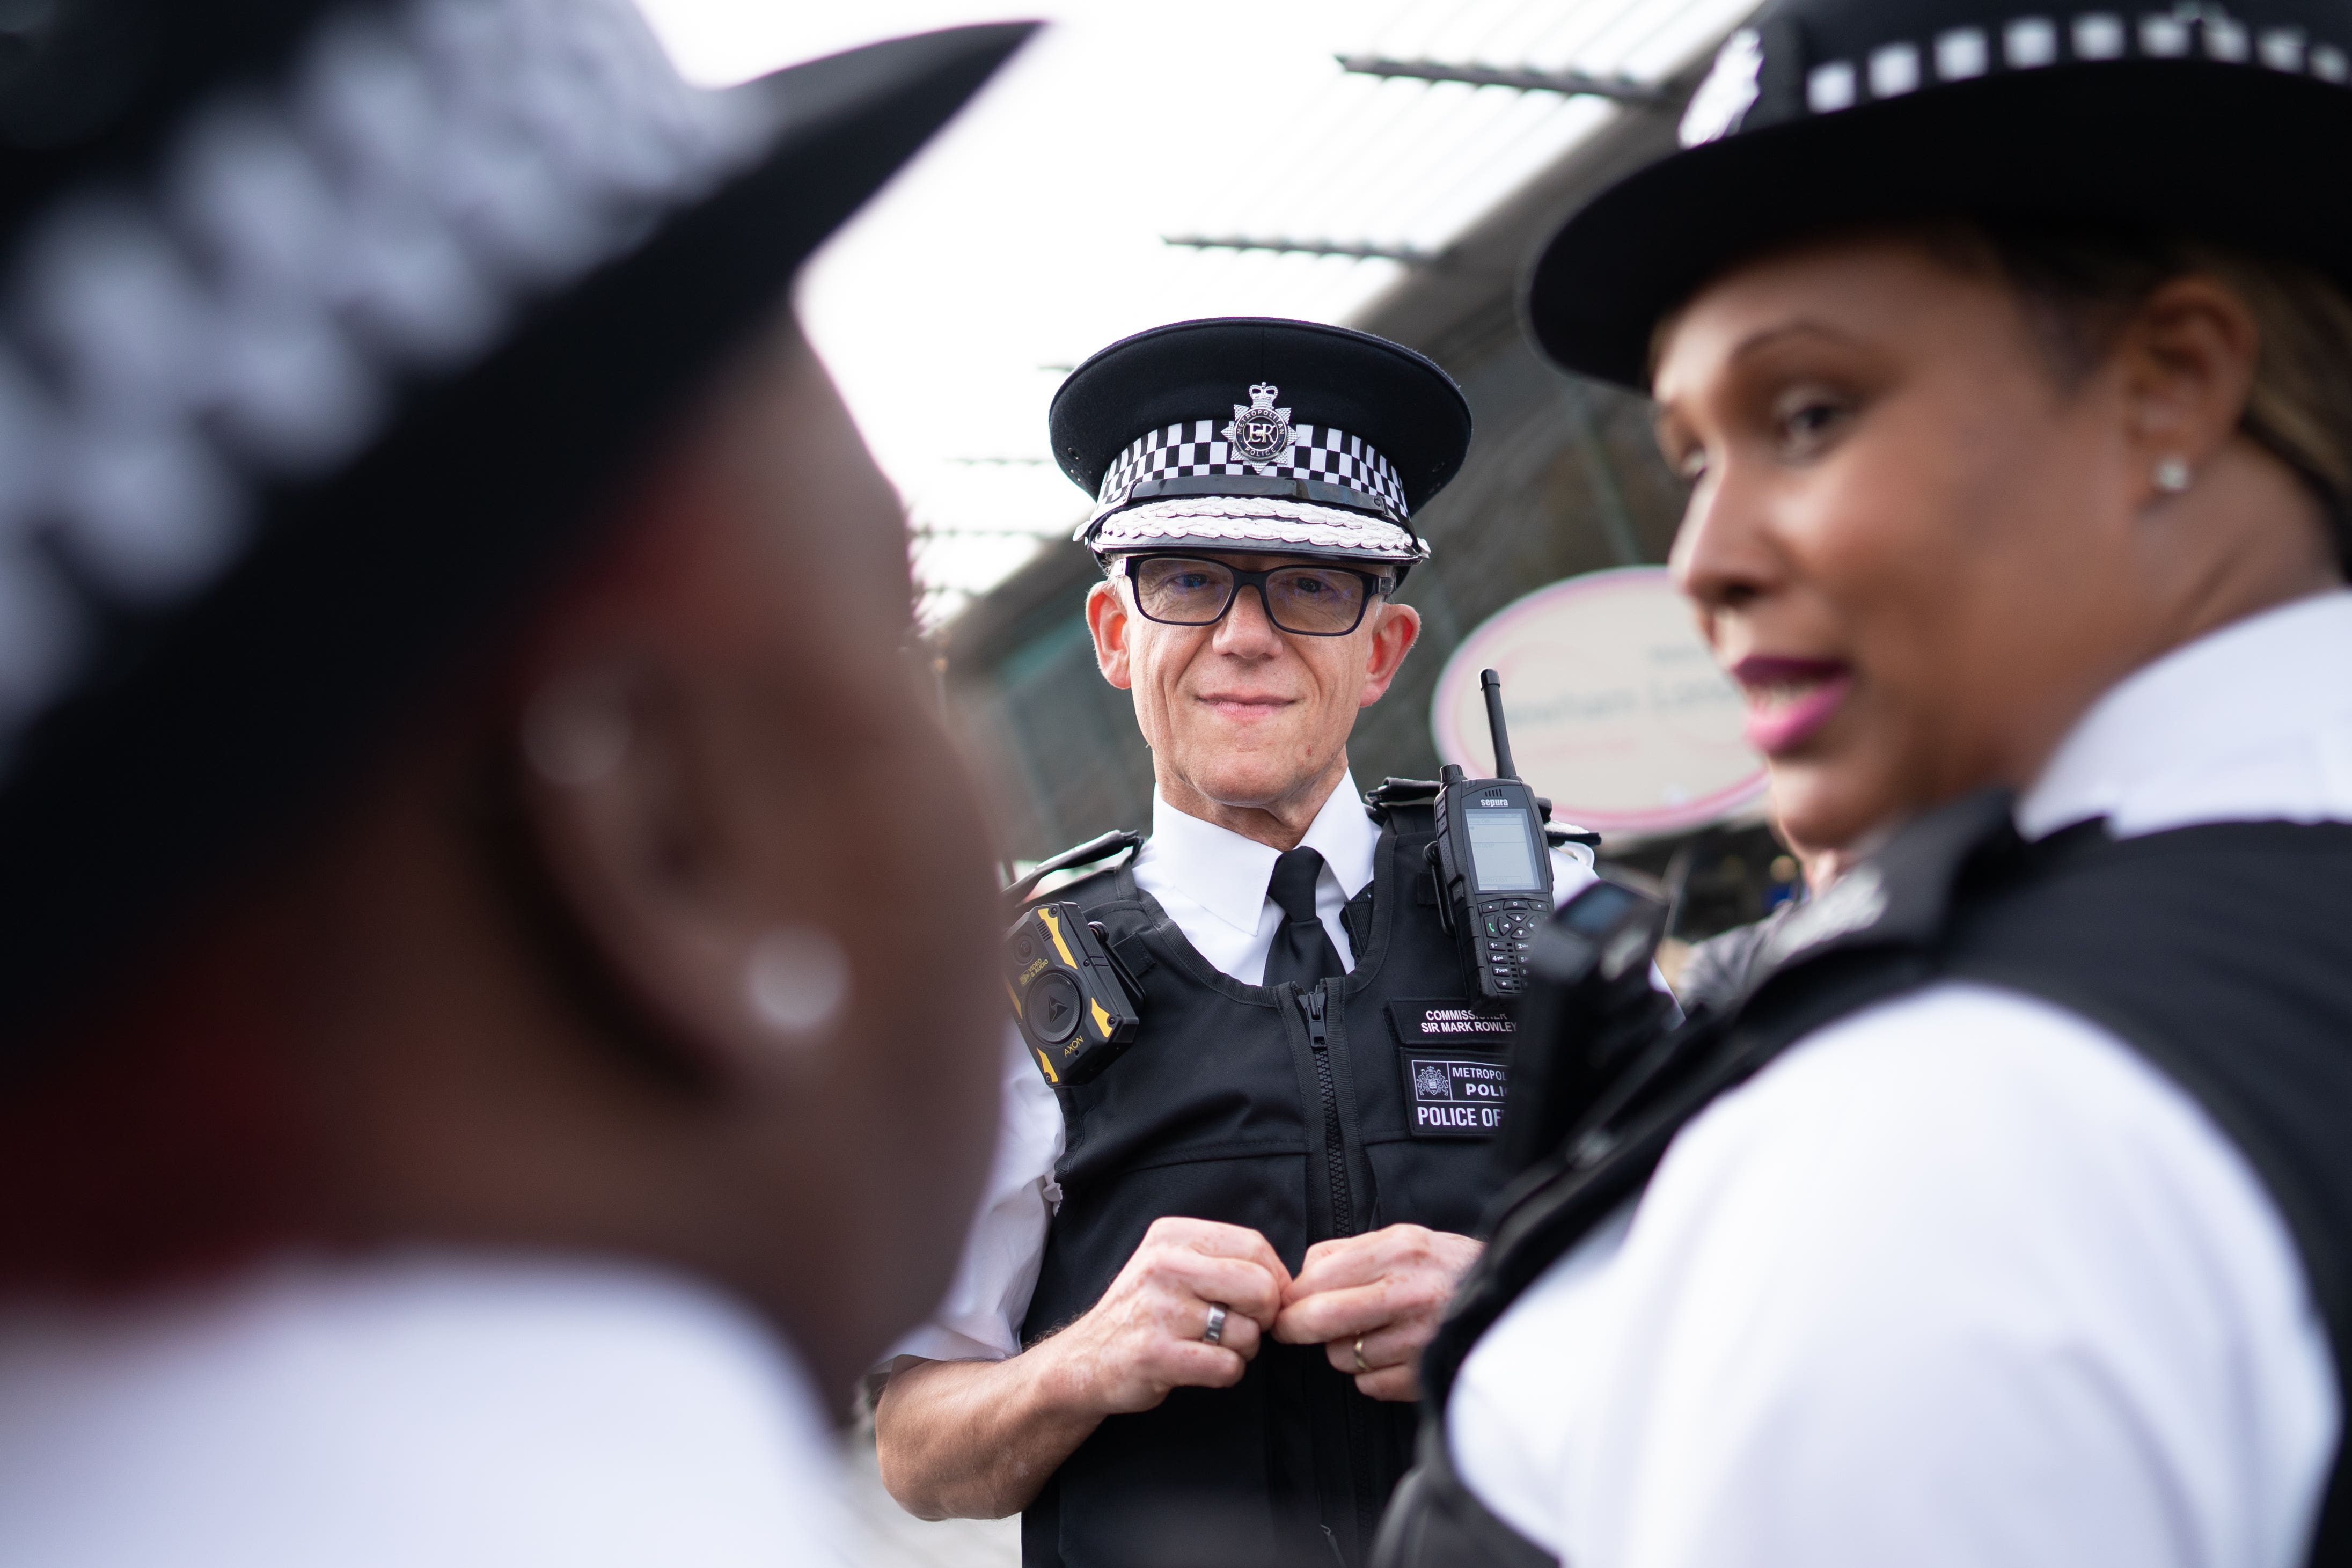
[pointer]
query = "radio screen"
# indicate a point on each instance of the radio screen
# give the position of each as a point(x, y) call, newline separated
point(1502, 850)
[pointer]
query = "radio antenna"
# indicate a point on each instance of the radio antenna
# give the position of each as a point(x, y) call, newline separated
point(1492, 684)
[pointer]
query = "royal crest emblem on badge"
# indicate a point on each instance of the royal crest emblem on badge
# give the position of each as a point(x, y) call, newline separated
point(1260, 433)
point(1430, 1080)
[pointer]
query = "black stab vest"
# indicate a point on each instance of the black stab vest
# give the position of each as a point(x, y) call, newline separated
point(1218, 1111)
point(2222, 955)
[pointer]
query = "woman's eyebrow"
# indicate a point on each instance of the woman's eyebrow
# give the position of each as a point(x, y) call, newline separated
point(1761, 341)
point(1764, 338)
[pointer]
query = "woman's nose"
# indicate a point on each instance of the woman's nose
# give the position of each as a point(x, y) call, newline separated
point(1723, 556)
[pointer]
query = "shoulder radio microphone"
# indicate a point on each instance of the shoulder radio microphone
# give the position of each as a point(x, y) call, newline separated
point(1493, 867)
point(1074, 1000)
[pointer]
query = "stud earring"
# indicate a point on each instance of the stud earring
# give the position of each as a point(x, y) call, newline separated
point(2171, 475)
point(795, 980)
point(576, 734)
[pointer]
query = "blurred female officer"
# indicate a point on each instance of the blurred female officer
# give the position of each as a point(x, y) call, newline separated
point(2010, 1219)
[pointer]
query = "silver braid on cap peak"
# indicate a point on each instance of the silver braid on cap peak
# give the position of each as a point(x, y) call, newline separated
point(245, 313)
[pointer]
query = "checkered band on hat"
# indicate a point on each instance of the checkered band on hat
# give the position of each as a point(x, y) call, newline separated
point(1901, 66)
point(1320, 455)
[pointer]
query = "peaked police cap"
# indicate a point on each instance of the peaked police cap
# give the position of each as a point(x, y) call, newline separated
point(1259, 435)
point(2223, 122)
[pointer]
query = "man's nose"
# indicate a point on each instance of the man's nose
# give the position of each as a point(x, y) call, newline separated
point(1247, 631)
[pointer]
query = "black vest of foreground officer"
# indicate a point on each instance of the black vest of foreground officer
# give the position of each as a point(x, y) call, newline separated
point(2214, 951)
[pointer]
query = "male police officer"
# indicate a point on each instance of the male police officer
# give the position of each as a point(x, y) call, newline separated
point(1252, 1168)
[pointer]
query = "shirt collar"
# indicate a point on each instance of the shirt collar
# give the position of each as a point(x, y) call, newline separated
point(2260, 681)
point(1227, 874)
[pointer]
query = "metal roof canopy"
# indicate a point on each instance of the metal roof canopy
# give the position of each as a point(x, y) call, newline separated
point(1248, 171)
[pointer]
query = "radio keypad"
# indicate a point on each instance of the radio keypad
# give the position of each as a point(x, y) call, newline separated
point(1505, 926)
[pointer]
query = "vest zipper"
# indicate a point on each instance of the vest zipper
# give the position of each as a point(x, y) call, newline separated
point(1335, 1149)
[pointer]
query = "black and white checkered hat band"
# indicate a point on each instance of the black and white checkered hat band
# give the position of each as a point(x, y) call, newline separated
point(2196, 31)
point(1320, 455)
point(244, 314)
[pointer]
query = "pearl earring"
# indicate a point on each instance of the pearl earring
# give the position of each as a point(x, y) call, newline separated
point(795, 980)
point(2171, 475)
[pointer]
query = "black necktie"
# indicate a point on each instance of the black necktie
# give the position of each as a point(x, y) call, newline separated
point(1302, 949)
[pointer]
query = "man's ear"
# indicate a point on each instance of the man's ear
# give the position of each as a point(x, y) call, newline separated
point(1108, 619)
point(1393, 634)
point(667, 849)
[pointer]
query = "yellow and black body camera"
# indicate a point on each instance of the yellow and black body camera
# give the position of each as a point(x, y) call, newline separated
point(1074, 1001)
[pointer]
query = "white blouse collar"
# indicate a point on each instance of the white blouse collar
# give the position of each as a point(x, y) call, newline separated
point(2239, 725)
point(1227, 874)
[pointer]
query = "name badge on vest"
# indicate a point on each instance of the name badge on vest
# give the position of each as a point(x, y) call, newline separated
point(1454, 1079)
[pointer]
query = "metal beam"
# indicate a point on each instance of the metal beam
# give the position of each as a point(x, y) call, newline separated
point(1574, 84)
point(1361, 252)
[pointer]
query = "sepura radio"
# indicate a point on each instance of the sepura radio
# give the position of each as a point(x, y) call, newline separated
point(1493, 872)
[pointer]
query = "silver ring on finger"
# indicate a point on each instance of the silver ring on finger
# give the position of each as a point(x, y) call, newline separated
point(1215, 1333)
point(1360, 1367)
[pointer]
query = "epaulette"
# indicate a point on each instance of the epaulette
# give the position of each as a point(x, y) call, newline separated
point(1093, 849)
point(1560, 835)
point(1395, 793)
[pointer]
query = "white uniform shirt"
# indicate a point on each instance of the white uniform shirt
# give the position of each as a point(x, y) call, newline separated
point(1213, 883)
point(1959, 1279)
point(463, 1411)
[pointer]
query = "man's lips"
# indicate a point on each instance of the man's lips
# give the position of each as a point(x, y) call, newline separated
point(1790, 698)
point(1236, 705)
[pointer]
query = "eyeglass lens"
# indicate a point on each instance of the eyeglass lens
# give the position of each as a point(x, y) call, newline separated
point(1314, 601)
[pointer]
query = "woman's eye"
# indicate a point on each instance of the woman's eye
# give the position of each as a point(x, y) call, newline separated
point(1809, 418)
point(1691, 467)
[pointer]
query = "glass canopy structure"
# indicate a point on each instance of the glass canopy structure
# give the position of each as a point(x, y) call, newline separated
point(1138, 165)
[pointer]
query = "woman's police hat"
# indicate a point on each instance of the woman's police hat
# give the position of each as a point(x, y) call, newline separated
point(324, 329)
point(2218, 121)
point(1263, 435)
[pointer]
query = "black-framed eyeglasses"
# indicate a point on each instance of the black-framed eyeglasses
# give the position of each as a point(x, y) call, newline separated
point(1311, 601)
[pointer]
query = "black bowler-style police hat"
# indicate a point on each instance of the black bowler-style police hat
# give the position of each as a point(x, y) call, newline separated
point(2225, 123)
point(1258, 434)
point(324, 328)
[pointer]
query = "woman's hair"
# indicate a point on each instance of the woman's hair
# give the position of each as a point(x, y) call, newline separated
point(2079, 287)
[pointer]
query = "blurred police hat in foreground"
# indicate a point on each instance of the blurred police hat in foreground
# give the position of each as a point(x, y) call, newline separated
point(324, 331)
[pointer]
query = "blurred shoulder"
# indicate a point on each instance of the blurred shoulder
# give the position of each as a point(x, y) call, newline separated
point(453, 1409)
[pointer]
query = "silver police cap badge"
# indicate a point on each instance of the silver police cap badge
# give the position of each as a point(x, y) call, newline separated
point(1261, 432)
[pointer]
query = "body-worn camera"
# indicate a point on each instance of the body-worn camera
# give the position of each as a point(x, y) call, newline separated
point(1075, 1003)
point(1494, 871)
point(1588, 1010)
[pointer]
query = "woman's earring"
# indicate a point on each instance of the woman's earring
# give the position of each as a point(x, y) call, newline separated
point(2171, 475)
point(795, 980)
